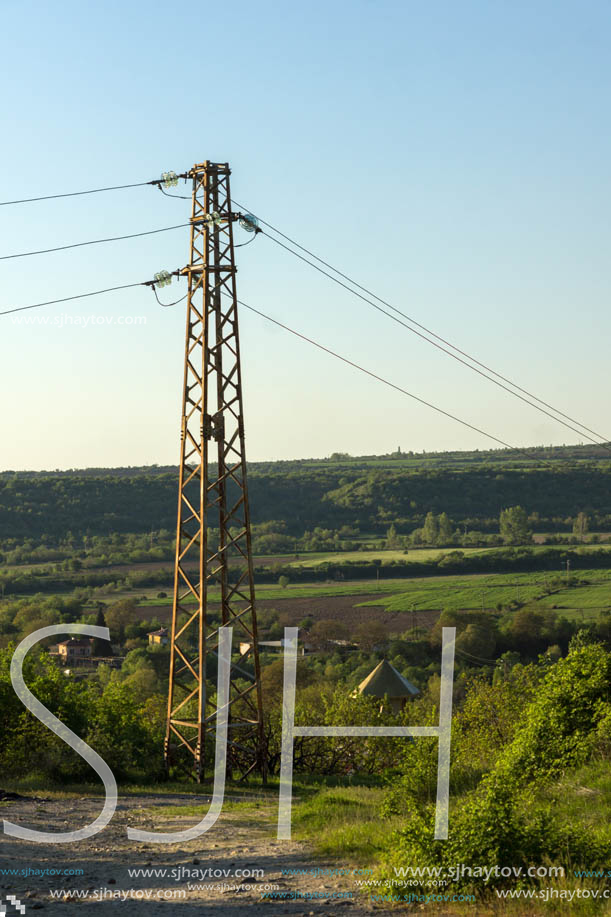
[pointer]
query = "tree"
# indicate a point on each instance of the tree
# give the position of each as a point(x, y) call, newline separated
point(392, 539)
point(323, 632)
point(101, 647)
point(514, 528)
point(581, 525)
point(370, 634)
point(283, 581)
point(445, 535)
point(477, 641)
point(528, 633)
point(430, 529)
point(119, 615)
point(120, 733)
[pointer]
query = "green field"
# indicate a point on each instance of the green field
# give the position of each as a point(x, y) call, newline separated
point(590, 594)
point(414, 555)
point(456, 593)
point(300, 591)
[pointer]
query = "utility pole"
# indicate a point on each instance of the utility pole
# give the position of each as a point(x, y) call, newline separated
point(212, 493)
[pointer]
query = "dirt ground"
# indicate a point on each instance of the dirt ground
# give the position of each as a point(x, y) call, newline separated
point(343, 608)
point(243, 838)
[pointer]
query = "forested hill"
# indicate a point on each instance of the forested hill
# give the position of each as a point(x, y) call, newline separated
point(367, 494)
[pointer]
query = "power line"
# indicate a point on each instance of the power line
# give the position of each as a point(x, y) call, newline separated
point(303, 337)
point(50, 197)
point(252, 239)
point(166, 305)
point(392, 385)
point(170, 177)
point(125, 286)
point(52, 302)
point(439, 347)
point(61, 248)
point(432, 333)
point(159, 182)
point(476, 660)
point(424, 328)
point(182, 197)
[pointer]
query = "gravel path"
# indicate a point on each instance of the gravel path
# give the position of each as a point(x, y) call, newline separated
point(243, 838)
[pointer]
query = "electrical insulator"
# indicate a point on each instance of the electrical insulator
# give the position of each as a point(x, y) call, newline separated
point(163, 279)
point(213, 219)
point(249, 222)
point(169, 179)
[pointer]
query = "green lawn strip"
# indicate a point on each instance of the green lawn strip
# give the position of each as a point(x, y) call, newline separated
point(583, 797)
point(464, 591)
point(596, 596)
point(36, 785)
point(414, 555)
point(580, 548)
point(460, 596)
point(420, 555)
point(535, 582)
point(474, 592)
point(308, 590)
point(344, 823)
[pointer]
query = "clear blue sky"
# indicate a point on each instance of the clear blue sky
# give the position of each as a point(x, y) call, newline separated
point(454, 157)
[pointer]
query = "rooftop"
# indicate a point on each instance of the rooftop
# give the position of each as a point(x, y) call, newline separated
point(386, 680)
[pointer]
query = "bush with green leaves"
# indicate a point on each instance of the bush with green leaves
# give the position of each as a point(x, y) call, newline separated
point(325, 755)
point(485, 723)
point(502, 822)
point(560, 724)
point(124, 728)
point(495, 826)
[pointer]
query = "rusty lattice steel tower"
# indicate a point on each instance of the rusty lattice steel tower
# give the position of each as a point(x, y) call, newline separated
point(212, 496)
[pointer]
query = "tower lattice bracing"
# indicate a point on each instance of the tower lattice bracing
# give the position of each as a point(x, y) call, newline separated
point(213, 578)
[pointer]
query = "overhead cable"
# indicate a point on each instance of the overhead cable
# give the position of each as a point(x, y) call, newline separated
point(392, 385)
point(433, 334)
point(61, 248)
point(52, 302)
point(51, 197)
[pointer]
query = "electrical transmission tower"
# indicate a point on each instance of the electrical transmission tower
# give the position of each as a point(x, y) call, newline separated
point(212, 496)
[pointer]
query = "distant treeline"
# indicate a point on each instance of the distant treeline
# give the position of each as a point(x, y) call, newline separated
point(302, 497)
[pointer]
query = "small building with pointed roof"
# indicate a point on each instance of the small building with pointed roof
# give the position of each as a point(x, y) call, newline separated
point(386, 681)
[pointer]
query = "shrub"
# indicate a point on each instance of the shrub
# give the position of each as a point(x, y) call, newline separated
point(560, 724)
point(496, 826)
